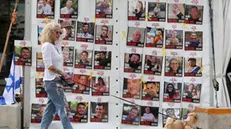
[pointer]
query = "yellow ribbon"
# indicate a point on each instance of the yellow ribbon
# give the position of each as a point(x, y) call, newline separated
point(38, 75)
point(91, 74)
point(47, 20)
point(146, 17)
point(64, 42)
point(142, 79)
point(163, 51)
point(95, 20)
point(201, 70)
point(123, 35)
point(183, 25)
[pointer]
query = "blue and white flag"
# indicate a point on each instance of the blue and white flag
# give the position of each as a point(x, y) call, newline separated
point(13, 83)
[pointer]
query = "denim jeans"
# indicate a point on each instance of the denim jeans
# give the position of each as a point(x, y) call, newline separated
point(55, 103)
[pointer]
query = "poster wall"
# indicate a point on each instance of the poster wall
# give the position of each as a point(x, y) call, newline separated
point(151, 53)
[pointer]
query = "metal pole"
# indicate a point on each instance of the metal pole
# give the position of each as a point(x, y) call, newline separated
point(27, 69)
point(214, 80)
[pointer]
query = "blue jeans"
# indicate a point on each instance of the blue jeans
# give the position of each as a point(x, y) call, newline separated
point(55, 103)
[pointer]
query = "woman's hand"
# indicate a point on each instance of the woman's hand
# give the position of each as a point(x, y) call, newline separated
point(66, 76)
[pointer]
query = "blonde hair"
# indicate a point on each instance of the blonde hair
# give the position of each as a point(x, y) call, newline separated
point(46, 34)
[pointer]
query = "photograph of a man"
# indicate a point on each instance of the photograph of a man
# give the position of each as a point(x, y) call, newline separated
point(153, 64)
point(81, 112)
point(67, 9)
point(70, 29)
point(193, 40)
point(133, 62)
point(85, 32)
point(130, 114)
point(192, 66)
point(174, 39)
point(136, 36)
point(193, 14)
point(23, 55)
point(82, 85)
point(104, 34)
point(44, 8)
point(99, 112)
point(102, 60)
point(151, 90)
point(83, 59)
point(156, 11)
point(131, 88)
point(103, 8)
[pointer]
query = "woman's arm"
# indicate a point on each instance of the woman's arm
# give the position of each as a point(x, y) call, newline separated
point(47, 60)
point(56, 70)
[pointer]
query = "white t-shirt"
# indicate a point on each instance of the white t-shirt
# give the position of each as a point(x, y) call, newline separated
point(66, 11)
point(148, 116)
point(52, 55)
point(156, 10)
point(82, 35)
point(47, 9)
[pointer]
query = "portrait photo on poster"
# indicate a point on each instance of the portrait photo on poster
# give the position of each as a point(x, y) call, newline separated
point(101, 86)
point(23, 55)
point(68, 55)
point(173, 66)
point(172, 112)
point(132, 62)
point(70, 29)
point(45, 9)
point(102, 60)
point(153, 65)
point(70, 72)
point(193, 66)
point(39, 88)
point(83, 58)
point(79, 111)
point(99, 112)
point(172, 92)
point(82, 84)
point(154, 37)
point(174, 39)
point(39, 62)
point(104, 8)
point(191, 92)
point(157, 11)
point(149, 116)
point(136, 36)
point(176, 12)
point(104, 34)
point(68, 9)
point(131, 114)
point(193, 40)
point(39, 30)
point(131, 88)
point(37, 111)
point(193, 14)
point(136, 10)
point(151, 91)
point(85, 31)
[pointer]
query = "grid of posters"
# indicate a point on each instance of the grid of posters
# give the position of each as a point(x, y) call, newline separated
point(160, 60)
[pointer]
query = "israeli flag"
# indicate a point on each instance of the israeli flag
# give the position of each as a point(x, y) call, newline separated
point(13, 83)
